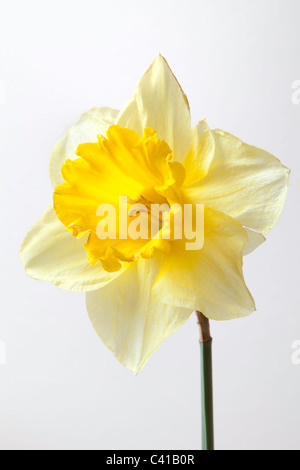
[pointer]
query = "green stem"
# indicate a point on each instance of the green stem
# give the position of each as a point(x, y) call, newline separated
point(206, 383)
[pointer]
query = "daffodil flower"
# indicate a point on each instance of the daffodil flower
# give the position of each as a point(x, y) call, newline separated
point(139, 291)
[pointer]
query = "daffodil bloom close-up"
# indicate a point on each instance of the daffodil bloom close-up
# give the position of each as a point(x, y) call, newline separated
point(141, 290)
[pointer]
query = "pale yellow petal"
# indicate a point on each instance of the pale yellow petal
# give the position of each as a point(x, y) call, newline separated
point(159, 102)
point(50, 253)
point(200, 155)
point(94, 122)
point(245, 182)
point(211, 279)
point(130, 322)
point(255, 240)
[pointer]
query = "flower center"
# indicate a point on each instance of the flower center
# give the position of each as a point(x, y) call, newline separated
point(119, 192)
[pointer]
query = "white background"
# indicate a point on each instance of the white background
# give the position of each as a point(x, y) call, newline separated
point(61, 388)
